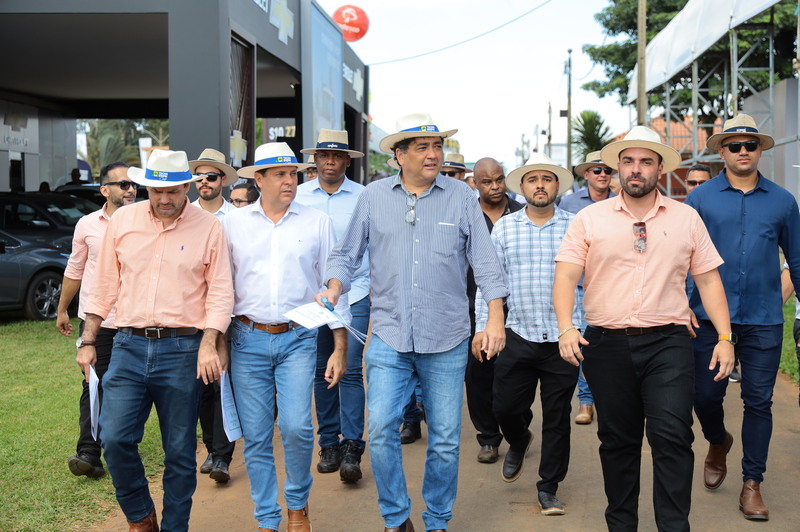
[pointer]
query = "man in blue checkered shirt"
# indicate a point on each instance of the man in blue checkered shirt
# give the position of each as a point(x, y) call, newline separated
point(526, 243)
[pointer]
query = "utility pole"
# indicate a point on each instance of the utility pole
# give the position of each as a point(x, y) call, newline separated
point(549, 129)
point(641, 91)
point(569, 108)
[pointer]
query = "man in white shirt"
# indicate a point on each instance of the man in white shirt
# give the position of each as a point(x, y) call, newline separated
point(215, 175)
point(280, 247)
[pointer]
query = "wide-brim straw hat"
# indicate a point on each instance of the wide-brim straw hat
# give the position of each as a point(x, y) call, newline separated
point(333, 140)
point(211, 157)
point(164, 168)
point(592, 159)
point(641, 137)
point(741, 124)
point(413, 126)
point(456, 162)
point(310, 162)
point(271, 155)
point(539, 161)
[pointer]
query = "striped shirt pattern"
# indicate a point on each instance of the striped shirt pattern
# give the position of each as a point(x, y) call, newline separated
point(419, 271)
point(527, 253)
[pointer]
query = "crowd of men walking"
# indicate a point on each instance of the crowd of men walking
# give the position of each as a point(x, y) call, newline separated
point(497, 285)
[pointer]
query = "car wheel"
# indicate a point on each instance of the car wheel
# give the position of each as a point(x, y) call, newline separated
point(41, 299)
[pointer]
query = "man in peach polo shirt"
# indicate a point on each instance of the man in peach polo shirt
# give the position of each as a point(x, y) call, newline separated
point(165, 265)
point(636, 250)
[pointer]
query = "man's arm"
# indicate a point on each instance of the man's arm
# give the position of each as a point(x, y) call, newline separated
point(570, 339)
point(712, 294)
point(211, 362)
point(69, 287)
point(337, 362)
point(787, 288)
point(87, 355)
point(494, 334)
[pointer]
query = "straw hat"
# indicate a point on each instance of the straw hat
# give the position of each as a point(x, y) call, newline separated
point(592, 159)
point(539, 161)
point(272, 155)
point(334, 140)
point(165, 168)
point(741, 124)
point(310, 162)
point(413, 126)
point(456, 162)
point(641, 137)
point(210, 157)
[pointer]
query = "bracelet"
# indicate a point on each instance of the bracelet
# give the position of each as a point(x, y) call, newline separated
point(562, 333)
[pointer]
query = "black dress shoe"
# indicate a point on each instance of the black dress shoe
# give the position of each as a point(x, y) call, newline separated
point(350, 469)
point(405, 527)
point(488, 454)
point(329, 459)
point(515, 460)
point(411, 432)
point(550, 504)
point(208, 465)
point(220, 471)
point(83, 464)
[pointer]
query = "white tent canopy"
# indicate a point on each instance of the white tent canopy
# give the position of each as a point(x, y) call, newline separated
point(694, 30)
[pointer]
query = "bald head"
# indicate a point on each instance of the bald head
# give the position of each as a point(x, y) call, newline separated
point(490, 180)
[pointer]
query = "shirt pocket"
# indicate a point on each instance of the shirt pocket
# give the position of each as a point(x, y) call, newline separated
point(445, 239)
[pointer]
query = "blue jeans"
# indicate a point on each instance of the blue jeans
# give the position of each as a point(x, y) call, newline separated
point(261, 365)
point(389, 386)
point(584, 393)
point(412, 412)
point(759, 353)
point(340, 410)
point(144, 372)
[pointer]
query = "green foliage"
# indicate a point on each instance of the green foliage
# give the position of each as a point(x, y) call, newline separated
point(590, 133)
point(110, 140)
point(618, 58)
point(789, 354)
point(377, 164)
point(38, 431)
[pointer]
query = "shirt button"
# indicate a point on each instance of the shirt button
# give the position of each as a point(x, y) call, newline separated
point(640, 268)
point(416, 262)
point(415, 284)
point(413, 308)
point(417, 241)
point(638, 291)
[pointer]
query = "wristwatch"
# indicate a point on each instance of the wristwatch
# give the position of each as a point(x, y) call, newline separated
point(81, 342)
point(732, 338)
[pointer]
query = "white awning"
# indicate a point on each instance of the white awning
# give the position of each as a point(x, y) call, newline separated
point(693, 31)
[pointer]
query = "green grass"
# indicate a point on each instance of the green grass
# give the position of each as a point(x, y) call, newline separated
point(38, 430)
point(789, 355)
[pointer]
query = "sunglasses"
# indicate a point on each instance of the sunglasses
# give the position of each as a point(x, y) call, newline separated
point(124, 185)
point(211, 177)
point(640, 242)
point(411, 203)
point(449, 174)
point(694, 182)
point(238, 202)
point(736, 147)
point(597, 170)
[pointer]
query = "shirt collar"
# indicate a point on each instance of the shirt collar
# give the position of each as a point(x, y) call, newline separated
point(522, 216)
point(619, 205)
point(439, 182)
point(104, 211)
point(346, 186)
point(725, 184)
point(294, 208)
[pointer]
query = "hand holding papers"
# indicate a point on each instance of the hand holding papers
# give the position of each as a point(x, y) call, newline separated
point(312, 316)
point(94, 401)
point(230, 418)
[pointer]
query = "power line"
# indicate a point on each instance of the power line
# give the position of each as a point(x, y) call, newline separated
point(464, 41)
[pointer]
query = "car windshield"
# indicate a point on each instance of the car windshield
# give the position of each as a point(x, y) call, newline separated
point(69, 210)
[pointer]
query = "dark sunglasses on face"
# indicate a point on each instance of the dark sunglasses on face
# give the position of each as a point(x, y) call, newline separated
point(238, 202)
point(736, 147)
point(124, 185)
point(449, 174)
point(597, 170)
point(211, 177)
point(694, 183)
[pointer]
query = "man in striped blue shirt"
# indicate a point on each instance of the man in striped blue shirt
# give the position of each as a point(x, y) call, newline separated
point(527, 242)
point(422, 230)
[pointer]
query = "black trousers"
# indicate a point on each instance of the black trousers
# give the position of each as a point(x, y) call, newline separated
point(644, 383)
point(478, 380)
point(214, 437)
point(519, 368)
point(86, 444)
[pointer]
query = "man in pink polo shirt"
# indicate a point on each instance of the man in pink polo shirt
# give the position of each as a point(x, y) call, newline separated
point(636, 250)
point(165, 265)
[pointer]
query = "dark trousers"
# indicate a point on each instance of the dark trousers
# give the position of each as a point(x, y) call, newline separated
point(86, 444)
point(478, 380)
point(759, 352)
point(643, 382)
point(214, 437)
point(520, 367)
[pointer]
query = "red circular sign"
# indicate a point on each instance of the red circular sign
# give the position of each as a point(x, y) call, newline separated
point(353, 21)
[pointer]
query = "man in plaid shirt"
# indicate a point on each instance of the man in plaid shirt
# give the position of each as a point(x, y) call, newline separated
point(526, 243)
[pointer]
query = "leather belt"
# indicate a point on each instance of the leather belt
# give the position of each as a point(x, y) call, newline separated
point(639, 331)
point(272, 328)
point(156, 333)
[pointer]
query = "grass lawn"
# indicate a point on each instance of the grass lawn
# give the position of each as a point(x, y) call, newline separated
point(38, 432)
point(789, 355)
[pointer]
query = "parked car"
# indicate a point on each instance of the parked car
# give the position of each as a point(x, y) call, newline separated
point(30, 277)
point(46, 218)
point(91, 192)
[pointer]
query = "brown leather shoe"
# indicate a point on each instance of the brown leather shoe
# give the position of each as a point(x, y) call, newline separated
point(716, 468)
point(488, 454)
point(751, 503)
point(408, 526)
point(298, 520)
point(585, 415)
point(148, 524)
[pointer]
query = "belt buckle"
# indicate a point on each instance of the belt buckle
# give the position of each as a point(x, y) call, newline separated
point(152, 333)
point(629, 331)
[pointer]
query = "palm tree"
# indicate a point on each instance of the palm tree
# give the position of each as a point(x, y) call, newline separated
point(590, 133)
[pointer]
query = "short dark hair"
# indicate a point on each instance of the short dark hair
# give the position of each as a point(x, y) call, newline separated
point(252, 191)
point(699, 168)
point(107, 168)
point(403, 145)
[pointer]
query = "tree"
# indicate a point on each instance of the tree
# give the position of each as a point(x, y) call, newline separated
point(619, 58)
point(112, 140)
point(591, 133)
